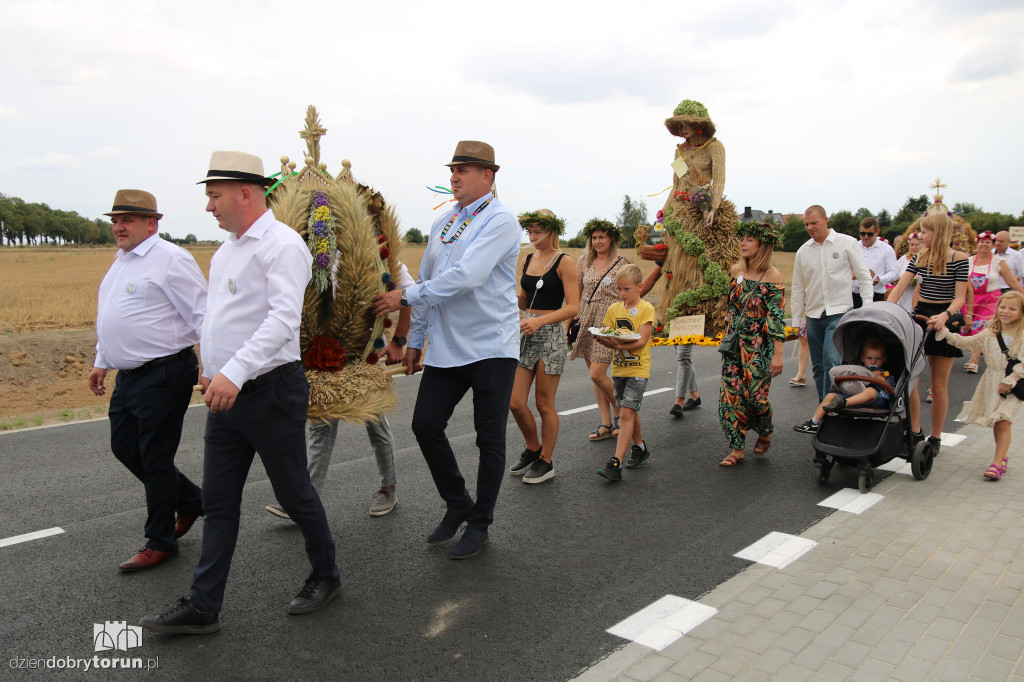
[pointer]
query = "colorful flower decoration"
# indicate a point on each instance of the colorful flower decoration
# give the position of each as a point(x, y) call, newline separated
point(716, 284)
point(321, 240)
point(324, 354)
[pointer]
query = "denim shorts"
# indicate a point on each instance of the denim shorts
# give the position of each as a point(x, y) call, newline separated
point(881, 400)
point(629, 391)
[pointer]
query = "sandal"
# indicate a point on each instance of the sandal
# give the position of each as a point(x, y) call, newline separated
point(971, 367)
point(615, 427)
point(597, 435)
point(994, 473)
point(732, 460)
point(928, 399)
point(762, 444)
point(798, 380)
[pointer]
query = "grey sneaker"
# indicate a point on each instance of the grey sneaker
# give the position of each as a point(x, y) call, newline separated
point(539, 472)
point(526, 460)
point(384, 500)
point(637, 456)
point(277, 510)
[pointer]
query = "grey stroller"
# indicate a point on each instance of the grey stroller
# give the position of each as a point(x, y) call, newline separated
point(869, 437)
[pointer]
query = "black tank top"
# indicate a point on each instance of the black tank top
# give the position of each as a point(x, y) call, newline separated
point(549, 296)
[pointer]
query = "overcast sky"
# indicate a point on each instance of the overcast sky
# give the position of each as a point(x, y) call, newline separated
point(846, 104)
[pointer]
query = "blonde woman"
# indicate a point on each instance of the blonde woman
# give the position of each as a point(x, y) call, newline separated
point(596, 271)
point(549, 295)
point(942, 290)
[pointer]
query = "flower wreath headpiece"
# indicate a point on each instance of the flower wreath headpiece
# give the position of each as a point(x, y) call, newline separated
point(614, 233)
point(545, 219)
point(986, 235)
point(766, 233)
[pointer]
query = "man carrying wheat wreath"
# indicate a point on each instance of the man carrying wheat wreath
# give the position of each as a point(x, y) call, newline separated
point(150, 311)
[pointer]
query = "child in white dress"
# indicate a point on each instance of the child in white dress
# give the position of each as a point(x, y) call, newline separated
point(993, 404)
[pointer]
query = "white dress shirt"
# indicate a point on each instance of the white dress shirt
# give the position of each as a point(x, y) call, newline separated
point(151, 304)
point(881, 260)
point(822, 274)
point(465, 299)
point(1015, 259)
point(257, 285)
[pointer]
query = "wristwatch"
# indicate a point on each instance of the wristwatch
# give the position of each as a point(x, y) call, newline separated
point(400, 340)
point(404, 301)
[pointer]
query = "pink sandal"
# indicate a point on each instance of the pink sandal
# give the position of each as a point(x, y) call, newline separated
point(994, 472)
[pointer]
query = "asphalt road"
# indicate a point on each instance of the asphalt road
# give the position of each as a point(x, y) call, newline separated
point(568, 558)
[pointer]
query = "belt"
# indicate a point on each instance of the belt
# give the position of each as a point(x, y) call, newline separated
point(157, 362)
point(272, 375)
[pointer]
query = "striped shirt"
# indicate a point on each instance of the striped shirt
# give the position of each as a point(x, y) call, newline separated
point(941, 287)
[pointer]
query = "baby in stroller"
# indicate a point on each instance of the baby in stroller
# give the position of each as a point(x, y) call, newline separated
point(873, 358)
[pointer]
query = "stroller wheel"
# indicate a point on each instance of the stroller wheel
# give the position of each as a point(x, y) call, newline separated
point(822, 471)
point(866, 480)
point(921, 460)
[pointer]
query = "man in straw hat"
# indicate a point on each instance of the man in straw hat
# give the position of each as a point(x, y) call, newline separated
point(465, 302)
point(256, 390)
point(150, 310)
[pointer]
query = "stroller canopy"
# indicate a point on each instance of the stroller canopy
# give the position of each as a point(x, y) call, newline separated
point(889, 322)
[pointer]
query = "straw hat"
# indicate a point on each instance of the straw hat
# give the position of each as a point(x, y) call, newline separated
point(135, 201)
point(691, 112)
point(237, 166)
point(472, 151)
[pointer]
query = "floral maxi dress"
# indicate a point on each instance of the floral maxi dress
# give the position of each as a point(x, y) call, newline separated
point(745, 380)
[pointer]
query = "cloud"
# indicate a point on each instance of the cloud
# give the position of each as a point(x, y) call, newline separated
point(988, 61)
point(110, 151)
point(9, 112)
point(52, 161)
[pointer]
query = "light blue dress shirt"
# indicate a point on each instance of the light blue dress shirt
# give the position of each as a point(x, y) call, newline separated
point(464, 301)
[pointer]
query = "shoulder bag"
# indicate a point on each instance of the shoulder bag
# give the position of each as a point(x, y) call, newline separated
point(731, 342)
point(1011, 362)
point(574, 326)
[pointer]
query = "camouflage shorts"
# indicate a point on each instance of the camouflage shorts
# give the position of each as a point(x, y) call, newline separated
point(547, 344)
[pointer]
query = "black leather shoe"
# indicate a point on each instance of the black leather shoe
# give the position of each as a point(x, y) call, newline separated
point(449, 525)
point(691, 403)
point(183, 619)
point(471, 543)
point(676, 411)
point(315, 595)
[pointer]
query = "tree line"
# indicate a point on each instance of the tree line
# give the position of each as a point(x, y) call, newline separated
point(26, 224)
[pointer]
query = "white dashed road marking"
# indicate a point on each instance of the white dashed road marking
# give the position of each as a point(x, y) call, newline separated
point(663, 622)
point(30, 536)
point(587, 408)
point(776, 549)
point(851, 500)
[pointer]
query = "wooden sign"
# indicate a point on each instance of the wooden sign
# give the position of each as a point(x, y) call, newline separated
point(687, 325)
point(1017, 234)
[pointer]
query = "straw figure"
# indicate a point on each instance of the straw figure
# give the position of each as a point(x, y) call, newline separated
point(964, 237)
point(699, 223)
point(353, 236)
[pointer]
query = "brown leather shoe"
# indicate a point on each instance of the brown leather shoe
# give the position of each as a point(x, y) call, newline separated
point(184, 523)
point(146, 558)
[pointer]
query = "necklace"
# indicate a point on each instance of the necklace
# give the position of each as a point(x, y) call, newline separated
point(462, 227)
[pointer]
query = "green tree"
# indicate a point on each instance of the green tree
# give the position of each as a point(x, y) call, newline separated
point(845, 222)
point(577, 242)
point(634, 214)
point(794, 234)
point(414, 236)
point(965, 209)
point(911, 211)
point(884, 219)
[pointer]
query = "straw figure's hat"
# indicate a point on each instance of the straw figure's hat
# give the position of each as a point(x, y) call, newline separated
point(691, 112)
point(239, 166)
point(354, 240)
point(135, 201)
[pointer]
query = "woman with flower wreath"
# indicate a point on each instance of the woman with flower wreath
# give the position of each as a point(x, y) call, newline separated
point(987, 272)
point(596, 271)
point(699, 221)
point(756, 301)
point(549, 295)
